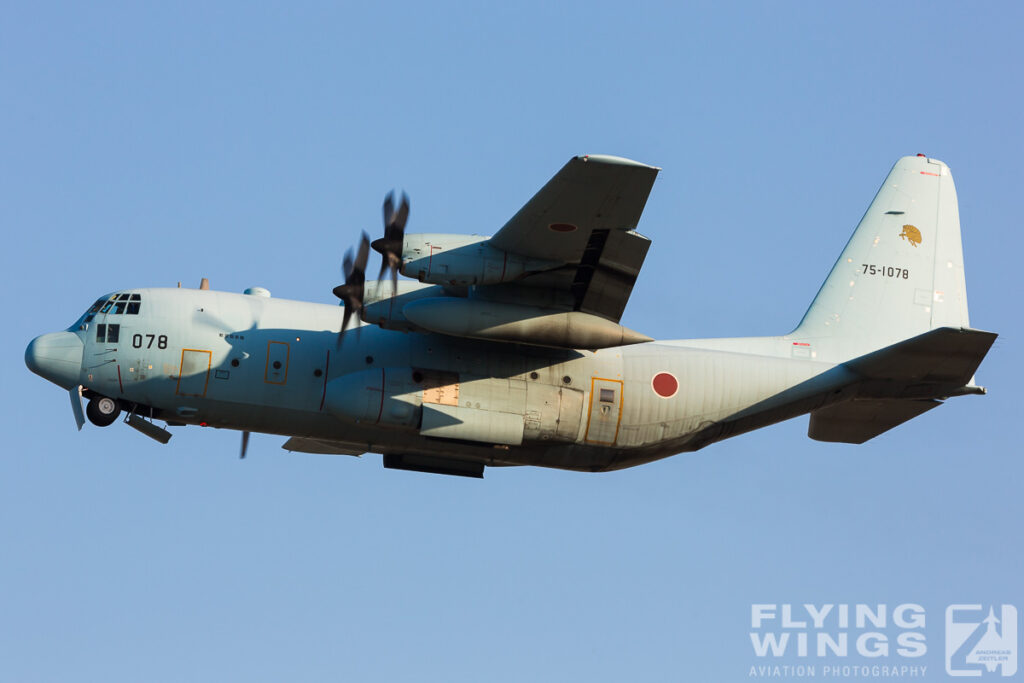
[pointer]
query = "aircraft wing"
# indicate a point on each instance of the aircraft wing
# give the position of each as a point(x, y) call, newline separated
point(584, 217)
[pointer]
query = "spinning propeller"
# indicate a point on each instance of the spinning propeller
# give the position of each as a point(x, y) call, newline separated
point(390, 245)
point(351, 293)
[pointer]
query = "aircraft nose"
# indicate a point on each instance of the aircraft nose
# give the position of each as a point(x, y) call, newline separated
point(57, 357)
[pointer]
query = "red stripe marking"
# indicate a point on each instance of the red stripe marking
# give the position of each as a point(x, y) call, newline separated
point(327, 367)
point(430, 259)
point(119, 379)
point(381, 411)
point(800, 344)
point(927, 173)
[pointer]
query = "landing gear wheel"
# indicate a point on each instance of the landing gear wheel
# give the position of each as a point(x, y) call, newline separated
point(102, 411)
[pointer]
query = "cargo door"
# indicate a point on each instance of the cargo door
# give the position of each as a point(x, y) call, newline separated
point(194, 376)
point(605, 411)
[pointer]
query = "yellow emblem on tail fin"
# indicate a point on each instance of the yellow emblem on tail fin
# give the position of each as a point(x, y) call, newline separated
point(911, 234)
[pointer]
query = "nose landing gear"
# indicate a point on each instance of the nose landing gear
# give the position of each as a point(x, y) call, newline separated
point(102, 411)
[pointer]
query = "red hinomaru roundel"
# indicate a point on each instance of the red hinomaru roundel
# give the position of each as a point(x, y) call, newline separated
point(665, 384)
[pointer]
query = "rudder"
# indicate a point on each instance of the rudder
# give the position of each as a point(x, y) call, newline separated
point(901, 273)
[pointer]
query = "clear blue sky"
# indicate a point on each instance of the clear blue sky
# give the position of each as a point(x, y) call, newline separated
point(142, 146)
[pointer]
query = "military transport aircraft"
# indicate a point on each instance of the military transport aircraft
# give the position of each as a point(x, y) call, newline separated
point(507, 350)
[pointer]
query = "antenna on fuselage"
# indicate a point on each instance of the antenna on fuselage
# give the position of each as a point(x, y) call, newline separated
point(204, 284)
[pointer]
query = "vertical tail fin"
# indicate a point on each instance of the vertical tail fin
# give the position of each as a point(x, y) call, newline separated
point(901, 273)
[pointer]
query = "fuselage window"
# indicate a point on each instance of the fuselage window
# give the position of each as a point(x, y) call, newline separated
point(108, 333)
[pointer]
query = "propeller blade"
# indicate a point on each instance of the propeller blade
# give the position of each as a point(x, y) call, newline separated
point(390, 246)
point(389, 210)
point(344, 322)
point(245, 445)
point(363, 255)
point(346, 264)
point(75, 393)
point(394, 221)
point(351, 293)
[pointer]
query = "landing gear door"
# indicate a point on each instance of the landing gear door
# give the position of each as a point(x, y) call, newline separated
point(605, 411)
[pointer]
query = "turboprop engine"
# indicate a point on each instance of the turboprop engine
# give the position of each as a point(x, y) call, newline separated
point(463, 260)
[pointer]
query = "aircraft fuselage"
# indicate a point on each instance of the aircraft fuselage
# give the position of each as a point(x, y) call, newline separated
point(260, 364)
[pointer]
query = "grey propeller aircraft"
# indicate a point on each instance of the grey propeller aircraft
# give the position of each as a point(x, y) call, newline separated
point(507, 350)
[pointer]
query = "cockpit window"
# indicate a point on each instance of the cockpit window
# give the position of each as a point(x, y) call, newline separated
point(122, 303)
point(117, 304)
point(91, 313)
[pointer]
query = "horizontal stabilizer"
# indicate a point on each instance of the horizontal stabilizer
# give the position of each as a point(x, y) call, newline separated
point(857, 420)
point(946, 356)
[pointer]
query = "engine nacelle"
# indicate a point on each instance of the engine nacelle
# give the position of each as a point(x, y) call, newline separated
point(464, 260)
point(382, 305)
point(519, 324)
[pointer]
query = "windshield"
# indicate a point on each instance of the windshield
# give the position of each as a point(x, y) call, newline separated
point(119, 303)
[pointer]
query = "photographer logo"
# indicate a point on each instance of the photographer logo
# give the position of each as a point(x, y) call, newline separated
point(981, 640)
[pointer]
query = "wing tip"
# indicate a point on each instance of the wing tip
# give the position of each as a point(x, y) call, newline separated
point(925, 162)
point(613, 161)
